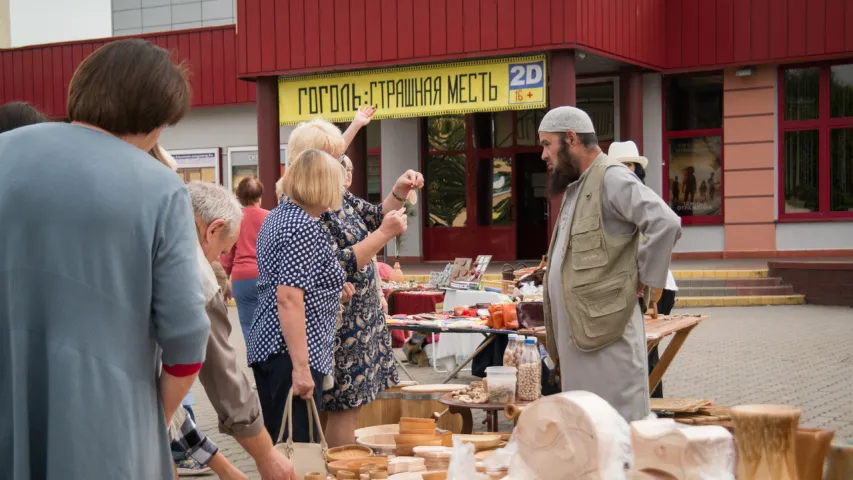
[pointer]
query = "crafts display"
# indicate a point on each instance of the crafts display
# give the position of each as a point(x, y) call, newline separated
point(468, 275)
point(475, 393)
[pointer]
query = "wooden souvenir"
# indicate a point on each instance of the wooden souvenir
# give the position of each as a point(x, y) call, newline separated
point(812, 447)
point(386, 409)
point(839, 465)
point(766, 441)
point(421, 401)
point(574, 432)
point(685, 453)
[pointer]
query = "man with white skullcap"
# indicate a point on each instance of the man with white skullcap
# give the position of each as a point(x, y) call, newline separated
point(597, 267)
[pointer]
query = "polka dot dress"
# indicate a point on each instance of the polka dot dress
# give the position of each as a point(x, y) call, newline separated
point(293, 251)
point(364, 361)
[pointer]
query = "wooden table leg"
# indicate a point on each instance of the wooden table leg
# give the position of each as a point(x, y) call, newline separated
point(467, 419)
point(667, 357)
point(651, 344)
point(489, 340)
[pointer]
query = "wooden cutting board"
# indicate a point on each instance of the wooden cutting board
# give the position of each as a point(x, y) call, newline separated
point(679, 405)
point(440, 388)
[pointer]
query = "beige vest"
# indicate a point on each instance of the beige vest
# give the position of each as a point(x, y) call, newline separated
point(599, 270)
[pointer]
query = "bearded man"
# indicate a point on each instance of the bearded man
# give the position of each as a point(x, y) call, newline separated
point(597, 267)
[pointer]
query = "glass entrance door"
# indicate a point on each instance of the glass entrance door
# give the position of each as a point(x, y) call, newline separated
point(495, 208)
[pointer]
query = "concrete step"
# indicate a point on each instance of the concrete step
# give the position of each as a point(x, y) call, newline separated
point(729, 282)
point(749, 301)
point(734, 291)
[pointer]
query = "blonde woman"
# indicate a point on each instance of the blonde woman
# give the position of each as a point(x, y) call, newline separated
point(299, 289)
point(364, 362)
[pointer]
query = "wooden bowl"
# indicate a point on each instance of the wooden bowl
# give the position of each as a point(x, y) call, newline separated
point(348, 452)
point(435, 475)
point(355, 465)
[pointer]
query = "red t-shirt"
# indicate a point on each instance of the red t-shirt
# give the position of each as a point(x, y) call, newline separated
point(241, 263)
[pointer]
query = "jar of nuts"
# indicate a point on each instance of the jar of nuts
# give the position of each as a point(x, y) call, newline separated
point(530, 372)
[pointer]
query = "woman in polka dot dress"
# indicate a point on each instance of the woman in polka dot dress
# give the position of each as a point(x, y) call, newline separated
point(363, 358)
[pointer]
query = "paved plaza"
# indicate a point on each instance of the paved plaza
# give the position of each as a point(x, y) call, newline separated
point(800, 355)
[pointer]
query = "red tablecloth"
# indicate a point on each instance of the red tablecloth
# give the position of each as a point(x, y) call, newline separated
point(412, 303)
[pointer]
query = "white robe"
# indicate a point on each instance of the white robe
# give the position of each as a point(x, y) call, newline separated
point(617, 373)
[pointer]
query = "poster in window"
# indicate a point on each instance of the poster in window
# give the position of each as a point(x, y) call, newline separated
point(695, 176)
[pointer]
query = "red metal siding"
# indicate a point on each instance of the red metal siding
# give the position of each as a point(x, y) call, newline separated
point(316, 37)
point(40, 74)
point(746, 32)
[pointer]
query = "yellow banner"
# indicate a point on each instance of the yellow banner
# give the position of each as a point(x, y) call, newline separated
point(417, 91)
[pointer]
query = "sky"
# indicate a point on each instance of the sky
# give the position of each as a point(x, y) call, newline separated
point(48, 21)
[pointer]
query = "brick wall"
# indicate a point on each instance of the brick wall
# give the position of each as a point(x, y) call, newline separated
point(823, 283)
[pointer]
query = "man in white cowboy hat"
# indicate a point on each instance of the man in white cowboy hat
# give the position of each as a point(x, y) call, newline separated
point(629, 154)
point(596, 266)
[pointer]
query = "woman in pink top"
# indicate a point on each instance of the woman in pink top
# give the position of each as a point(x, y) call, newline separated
point(241, 263)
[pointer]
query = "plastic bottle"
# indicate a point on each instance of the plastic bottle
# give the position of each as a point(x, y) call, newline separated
point(509, 353)
point(530, 372)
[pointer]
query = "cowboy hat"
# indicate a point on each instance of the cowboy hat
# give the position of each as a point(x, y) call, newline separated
point(627, 152)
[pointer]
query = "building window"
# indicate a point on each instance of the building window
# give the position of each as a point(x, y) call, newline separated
point(446, 172)
point(597, 100)
point(816, 135)
point(693, 133)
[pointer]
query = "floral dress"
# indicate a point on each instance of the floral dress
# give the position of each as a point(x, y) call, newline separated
point(363, 357)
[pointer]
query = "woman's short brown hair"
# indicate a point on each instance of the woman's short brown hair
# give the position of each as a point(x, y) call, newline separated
point(129, 87)
point(314, 179)
point(249, 191)
point(19, 114)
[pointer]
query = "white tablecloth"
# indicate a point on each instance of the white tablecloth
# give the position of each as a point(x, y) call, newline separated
point(462, 344)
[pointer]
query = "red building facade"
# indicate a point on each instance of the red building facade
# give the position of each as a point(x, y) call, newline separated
point(742, 107)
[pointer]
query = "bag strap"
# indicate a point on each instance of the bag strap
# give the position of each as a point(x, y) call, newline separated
point(313, 416)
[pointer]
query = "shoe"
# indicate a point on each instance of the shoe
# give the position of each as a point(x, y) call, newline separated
point(191, 468)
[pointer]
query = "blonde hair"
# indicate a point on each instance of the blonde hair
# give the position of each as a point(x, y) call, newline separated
point(318, 134)
point(164, 157)
point(314, 179)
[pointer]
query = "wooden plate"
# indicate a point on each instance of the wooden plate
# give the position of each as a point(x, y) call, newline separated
point(441, 388)
point(480, 442)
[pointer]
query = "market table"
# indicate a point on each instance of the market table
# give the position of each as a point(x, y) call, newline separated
point(412, 302)
point(464, 409)
point(657, 329)
point(489, 333)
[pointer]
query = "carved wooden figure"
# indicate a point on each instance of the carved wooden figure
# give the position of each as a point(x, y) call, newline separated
point(812, 447)
point(684, 452)
point(766, 441)
point(572, 436)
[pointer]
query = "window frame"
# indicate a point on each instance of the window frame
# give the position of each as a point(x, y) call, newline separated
point(824, 125)
point(702, 220)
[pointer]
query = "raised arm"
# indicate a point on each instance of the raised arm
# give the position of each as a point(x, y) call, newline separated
point(362, 118)
point(354, 258)
point(640, 205)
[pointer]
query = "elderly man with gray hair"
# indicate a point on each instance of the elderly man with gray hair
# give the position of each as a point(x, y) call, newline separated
point(217, 218)
point(597, 266)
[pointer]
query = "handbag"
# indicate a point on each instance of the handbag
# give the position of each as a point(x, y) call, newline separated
point(530, 314)
point(306, 457)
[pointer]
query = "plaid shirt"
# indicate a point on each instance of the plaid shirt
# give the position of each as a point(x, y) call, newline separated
point(188, 441)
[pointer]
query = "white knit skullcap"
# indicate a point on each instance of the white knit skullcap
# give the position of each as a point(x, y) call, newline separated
point(563, 119)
